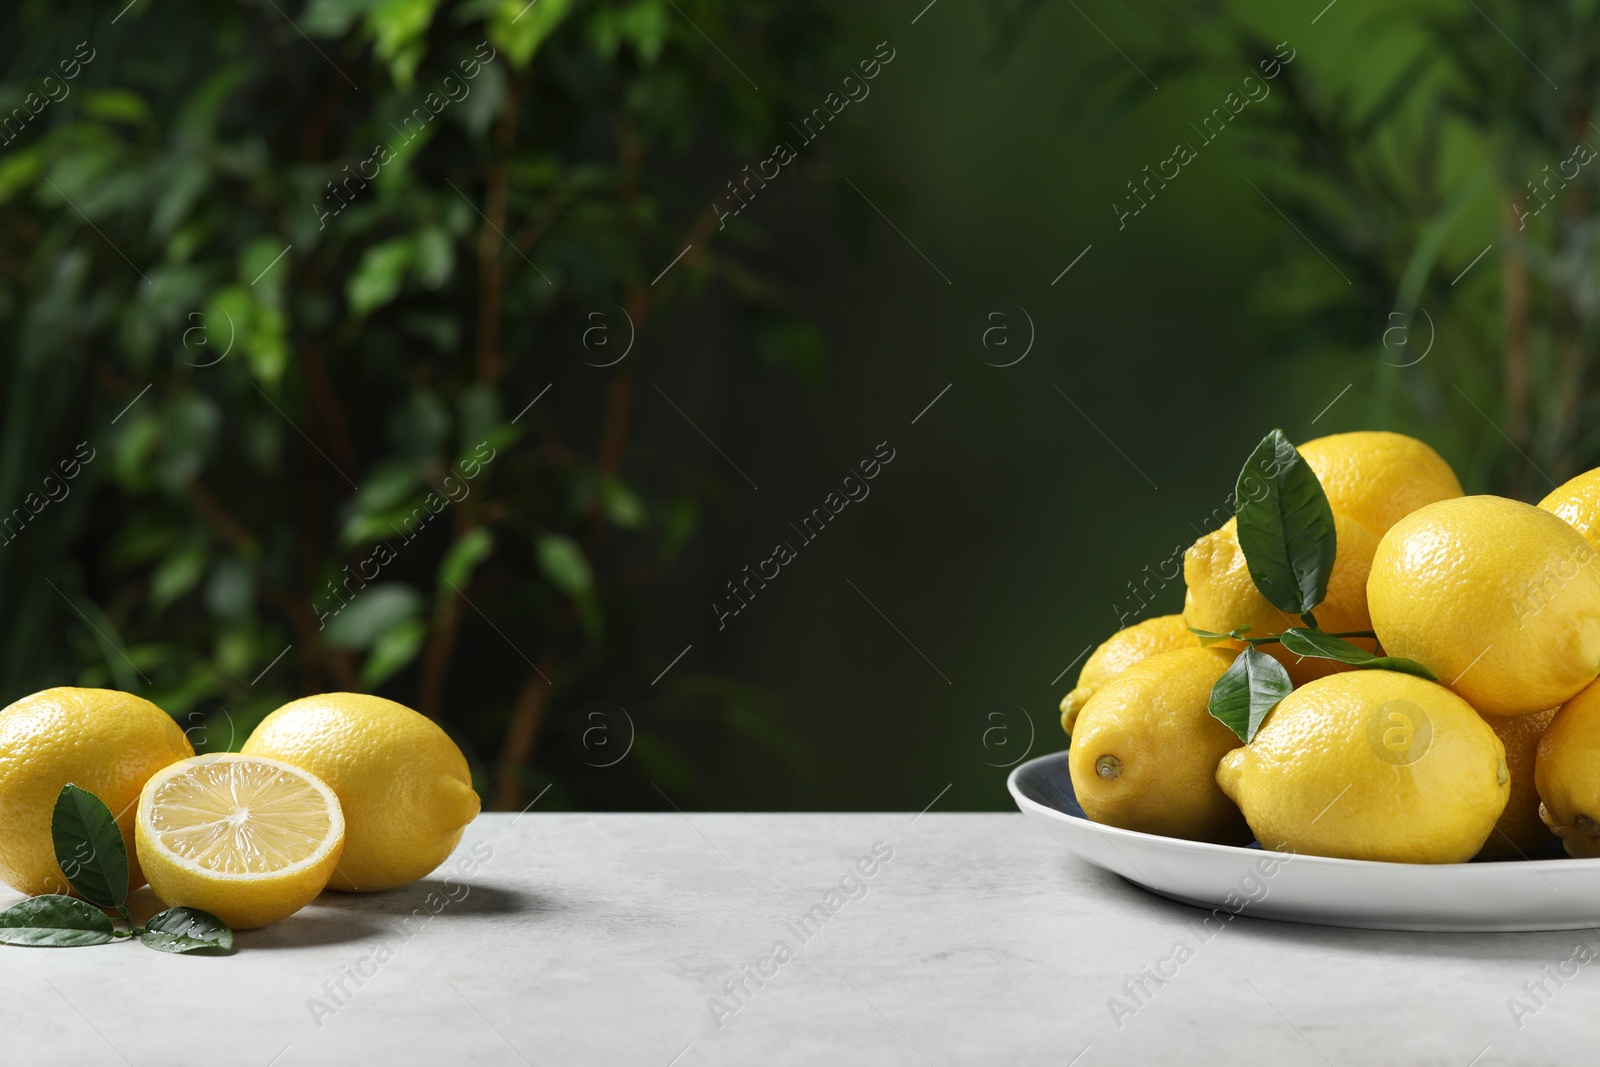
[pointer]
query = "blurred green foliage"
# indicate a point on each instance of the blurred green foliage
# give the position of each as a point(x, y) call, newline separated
point(301, 305)
point(1446, 209)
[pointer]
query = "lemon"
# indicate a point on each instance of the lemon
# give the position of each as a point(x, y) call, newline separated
point(1499, 599)
point(1378, 478)
point(1578, 502)
point(1221, 596)
point(1144, 752)
point(1119, 652)
point(107, 742)
point(1567, 773)
point(403, 784)
point(249, 839)
point(1371, 765)
point(1520, 833)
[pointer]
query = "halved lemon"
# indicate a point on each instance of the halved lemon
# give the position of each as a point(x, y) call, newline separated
point(251, 840)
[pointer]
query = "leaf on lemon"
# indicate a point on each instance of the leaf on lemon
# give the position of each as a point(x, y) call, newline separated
point(1250, 687)
point(89, 847)
point(1319, 645)
point(1285, 526)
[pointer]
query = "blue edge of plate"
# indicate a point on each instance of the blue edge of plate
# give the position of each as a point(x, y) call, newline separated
point(1046, 781)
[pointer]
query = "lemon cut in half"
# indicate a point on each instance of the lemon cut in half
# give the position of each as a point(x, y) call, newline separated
point(250, 839)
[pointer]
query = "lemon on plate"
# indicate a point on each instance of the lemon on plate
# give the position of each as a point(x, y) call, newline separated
point(1121, 650)
point(1577, 500)
point(106, 742)
point(1519, 833)
point(249, 839)
point(403, 784)
point(1371, 765)
point(1499, 599)
point(1221, 596)
point(1378, 478)
point(1567, 773)
point(1144, 750)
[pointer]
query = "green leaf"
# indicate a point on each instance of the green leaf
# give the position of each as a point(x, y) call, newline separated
point(391, 652)
point(1250, 688)
point(369, 614)
point(520, 28)
point(187, 930)
point(378, 276)
point(1319, 645)
point(1210, 637)
point(54, 921)
point(564, 564)
point(89, 847)
point(471, 549)
point(1286, 528)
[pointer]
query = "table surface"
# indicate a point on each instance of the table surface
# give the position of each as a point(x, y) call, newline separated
point(624, 939)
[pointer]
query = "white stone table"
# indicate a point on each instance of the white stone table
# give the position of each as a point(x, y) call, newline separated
point(605, 939)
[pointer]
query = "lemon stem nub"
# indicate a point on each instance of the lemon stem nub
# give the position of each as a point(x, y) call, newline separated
point(1587, 825)
point(1108, 767)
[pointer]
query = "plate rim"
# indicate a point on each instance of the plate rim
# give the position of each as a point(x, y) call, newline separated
point(1028, 805)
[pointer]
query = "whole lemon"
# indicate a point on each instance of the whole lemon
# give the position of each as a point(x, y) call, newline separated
point(1144, 753)
point(1567, 773)
point(1577, 500)
point(107, 742)
point(1499, 599)
point(402, 784)
point(1119, 652)
point(1378, 478)
point(1520, 833)
point(1221, 595)
point(1371, 765)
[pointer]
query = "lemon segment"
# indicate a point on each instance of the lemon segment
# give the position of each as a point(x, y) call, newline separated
point(249, 839)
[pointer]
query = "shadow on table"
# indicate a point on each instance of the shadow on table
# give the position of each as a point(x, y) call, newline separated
point(441, 899)
point(1529, 946)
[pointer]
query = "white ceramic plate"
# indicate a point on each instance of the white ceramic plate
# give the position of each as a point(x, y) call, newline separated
point(1543, 894)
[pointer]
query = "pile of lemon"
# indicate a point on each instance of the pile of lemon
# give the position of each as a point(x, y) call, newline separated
point(340, 790)
point(1499, 600)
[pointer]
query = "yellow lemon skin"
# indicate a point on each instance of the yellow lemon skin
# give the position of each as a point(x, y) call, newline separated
point(1371, 765)
point(1378, 478)
point(1567, 774)
point(1578, 502)
point(403, 784)
point(1144, 753)
point(1520, 833)
point(107, 742)
point(1221, 596)
point(245, 900)
point(1499, 599)
point(1119, 652)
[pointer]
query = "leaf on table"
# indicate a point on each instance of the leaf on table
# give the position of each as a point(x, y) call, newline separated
point(55, 921)
point(1285, 526)
point(1250, 687)
point(89, 847)
point(187, 930)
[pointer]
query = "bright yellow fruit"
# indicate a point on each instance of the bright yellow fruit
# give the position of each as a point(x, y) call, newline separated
point(249, 839)
point(1378, 478)
point(1520, 833)
point(1371, 765)
point(1222, 597)
point(1578, 502)
point(1499, 599)
point(403, 784)
point(1119, 652)
point(1144, 752)
point(1567, 774)
point(107, 742)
